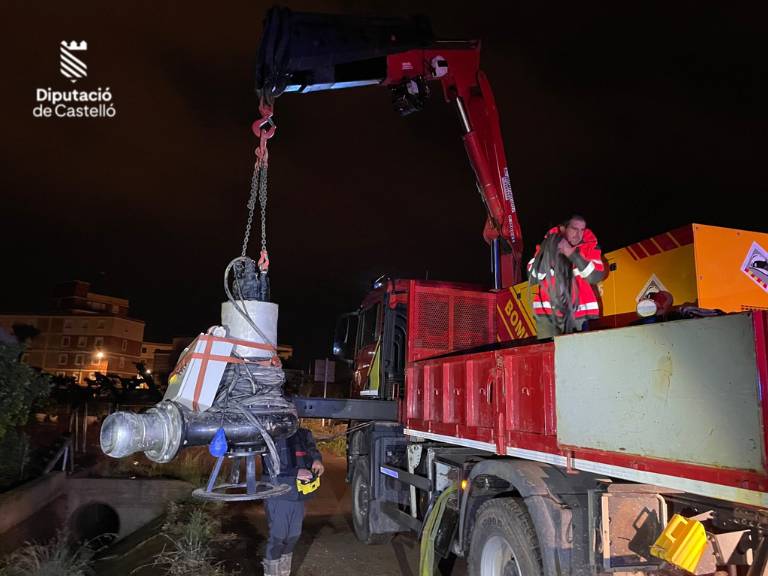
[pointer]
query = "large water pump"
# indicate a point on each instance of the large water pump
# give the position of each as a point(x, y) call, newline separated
point(226, 391)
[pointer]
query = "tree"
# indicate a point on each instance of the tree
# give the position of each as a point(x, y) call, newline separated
point(24, 332)
point(20, 387)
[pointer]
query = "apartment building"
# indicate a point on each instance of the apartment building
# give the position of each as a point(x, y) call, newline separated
point(84, 333)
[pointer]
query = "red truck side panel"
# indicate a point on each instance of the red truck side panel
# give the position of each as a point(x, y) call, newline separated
point(503, 401)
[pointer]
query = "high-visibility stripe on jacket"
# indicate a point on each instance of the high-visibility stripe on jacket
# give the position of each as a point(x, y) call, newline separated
point(588, 269)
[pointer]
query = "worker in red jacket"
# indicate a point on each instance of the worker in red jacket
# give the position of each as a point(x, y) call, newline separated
point(566, 264)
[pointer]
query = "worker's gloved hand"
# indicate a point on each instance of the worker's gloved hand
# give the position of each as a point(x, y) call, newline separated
point(304, 475)
point(318, 468)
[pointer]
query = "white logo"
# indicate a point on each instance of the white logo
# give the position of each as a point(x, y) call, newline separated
point(71, 66)
point(756, 265)
point(653, 285)
point(74, 102)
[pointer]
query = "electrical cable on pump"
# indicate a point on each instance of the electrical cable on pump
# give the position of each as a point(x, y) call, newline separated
point(245, 263)
point(250, 387)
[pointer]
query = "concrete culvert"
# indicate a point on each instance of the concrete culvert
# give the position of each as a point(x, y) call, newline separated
point(94, 520)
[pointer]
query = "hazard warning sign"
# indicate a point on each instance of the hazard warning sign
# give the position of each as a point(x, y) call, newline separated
point(756, 265)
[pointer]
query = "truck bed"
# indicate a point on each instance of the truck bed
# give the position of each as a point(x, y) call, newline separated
point(677, 404)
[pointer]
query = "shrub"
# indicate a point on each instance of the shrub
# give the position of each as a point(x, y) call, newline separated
point(56, 558)
point(14, 447)
point(192, 534)
point(20, 387)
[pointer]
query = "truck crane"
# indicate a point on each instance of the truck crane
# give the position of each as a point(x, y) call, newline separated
point(628, 449)
point(614, 451)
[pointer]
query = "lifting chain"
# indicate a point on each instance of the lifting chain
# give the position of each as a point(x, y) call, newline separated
point(264, 128)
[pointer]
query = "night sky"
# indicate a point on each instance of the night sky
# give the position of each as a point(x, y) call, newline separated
point(641, 117)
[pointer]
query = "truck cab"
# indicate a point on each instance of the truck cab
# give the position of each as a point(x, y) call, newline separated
point(382, 336)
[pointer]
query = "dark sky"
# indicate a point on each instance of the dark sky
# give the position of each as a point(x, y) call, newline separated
point(642, 117)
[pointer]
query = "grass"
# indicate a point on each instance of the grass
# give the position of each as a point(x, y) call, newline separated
point(193, 534)
point(56, 558)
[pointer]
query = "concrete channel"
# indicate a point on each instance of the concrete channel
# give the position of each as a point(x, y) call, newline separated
point(88, 507)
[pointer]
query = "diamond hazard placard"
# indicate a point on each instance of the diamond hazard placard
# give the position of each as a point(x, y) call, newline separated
point(756, 265)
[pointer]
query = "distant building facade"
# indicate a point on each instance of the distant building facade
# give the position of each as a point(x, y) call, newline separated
point(156, 357)
point(84, 333)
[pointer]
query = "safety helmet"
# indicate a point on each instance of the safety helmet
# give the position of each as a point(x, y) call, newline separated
point(309, 486)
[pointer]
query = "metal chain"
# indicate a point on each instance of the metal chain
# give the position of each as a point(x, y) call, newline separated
point(263, 205)
point(251, 205)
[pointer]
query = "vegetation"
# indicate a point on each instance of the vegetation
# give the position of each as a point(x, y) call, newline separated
point(56, 558)
point(14, 465)
point(193, 535)
point(20, 387)
point(330, 438)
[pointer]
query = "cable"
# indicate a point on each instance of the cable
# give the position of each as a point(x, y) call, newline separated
point(559, 270)
point(241, 309)
point(252, 388)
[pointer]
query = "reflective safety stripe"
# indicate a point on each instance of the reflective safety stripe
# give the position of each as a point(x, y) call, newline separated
point(546, 305)
point(588, 269)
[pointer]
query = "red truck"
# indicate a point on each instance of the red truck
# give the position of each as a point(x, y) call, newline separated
point(640, 448)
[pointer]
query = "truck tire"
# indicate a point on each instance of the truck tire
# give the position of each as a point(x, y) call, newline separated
point(504, 541)
point(361, 500)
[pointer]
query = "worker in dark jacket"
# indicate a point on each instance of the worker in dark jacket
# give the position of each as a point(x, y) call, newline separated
point(566, 264)
point(301, 466)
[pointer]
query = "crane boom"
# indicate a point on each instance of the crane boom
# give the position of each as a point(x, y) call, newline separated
point(302, 52)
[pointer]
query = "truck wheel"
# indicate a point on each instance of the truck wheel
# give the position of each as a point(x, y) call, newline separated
point(504, 541)
point(361, 500)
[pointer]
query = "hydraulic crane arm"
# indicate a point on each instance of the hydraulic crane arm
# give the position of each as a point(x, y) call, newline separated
point(303, 52)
